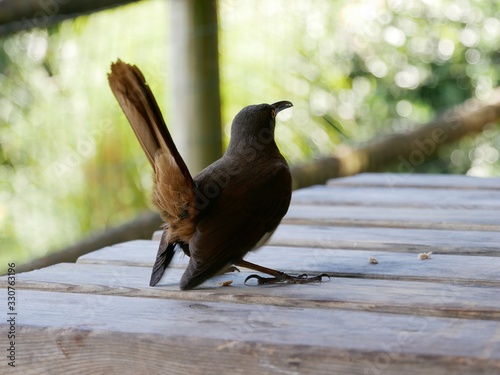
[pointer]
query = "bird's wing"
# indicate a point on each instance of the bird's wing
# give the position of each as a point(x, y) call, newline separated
point(242, 213)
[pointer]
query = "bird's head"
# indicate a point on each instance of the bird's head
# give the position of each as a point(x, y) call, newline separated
point(254, 125)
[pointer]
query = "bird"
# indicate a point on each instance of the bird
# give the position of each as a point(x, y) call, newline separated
point(229, 208)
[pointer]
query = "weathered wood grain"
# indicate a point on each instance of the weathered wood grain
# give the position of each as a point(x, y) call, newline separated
point(391, 296)
point(438, 181)
point(413, 240)
point(402, 315)
point(113, 334)
point(462, 199)
point(138, 253)
point(393, 217)
point(341, 263)
point(389, 239)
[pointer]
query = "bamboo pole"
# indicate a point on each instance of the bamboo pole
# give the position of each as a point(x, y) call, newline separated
point(195, 114)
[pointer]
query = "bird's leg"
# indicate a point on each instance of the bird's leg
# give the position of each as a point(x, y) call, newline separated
point(278, 276)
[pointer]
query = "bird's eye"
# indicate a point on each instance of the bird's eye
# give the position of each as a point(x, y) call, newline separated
point(273, 113)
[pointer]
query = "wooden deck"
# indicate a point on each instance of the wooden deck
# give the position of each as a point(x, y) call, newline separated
point(400, 316)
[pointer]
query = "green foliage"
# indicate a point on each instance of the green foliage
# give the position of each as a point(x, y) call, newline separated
point(69, 163)
point(363, 67)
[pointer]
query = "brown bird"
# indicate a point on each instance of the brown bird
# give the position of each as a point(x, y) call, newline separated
point(228, 209)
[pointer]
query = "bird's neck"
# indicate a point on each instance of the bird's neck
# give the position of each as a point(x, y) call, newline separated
point(247, 140)
point(252, 146)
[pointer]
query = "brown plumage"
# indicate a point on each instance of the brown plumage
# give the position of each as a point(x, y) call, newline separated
point(229, 208)
point(173, 191)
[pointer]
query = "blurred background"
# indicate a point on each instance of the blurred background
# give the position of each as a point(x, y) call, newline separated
point(70, 164)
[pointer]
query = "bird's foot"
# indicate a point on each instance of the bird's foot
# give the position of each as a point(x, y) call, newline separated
point(285, 278)
point(232, 269)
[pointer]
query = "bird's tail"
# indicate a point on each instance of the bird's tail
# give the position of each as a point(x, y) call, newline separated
point(173, 185)
point(166, 252)
point(139, 105)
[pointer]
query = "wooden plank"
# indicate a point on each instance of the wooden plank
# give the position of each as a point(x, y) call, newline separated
point(137, 253)
point(340, 263)
point(399, 197)
point(63, 333)
point(484, 243)
point(389, 239)
point(393, 217)
point(403, 297)
point(437, 181)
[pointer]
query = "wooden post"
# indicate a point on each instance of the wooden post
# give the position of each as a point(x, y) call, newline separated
point(195, 115)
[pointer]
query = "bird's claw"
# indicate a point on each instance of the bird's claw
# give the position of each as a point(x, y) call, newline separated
point(232, 269)
point(284, 278)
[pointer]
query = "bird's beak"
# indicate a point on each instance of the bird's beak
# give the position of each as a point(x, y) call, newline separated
point(279, 106)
